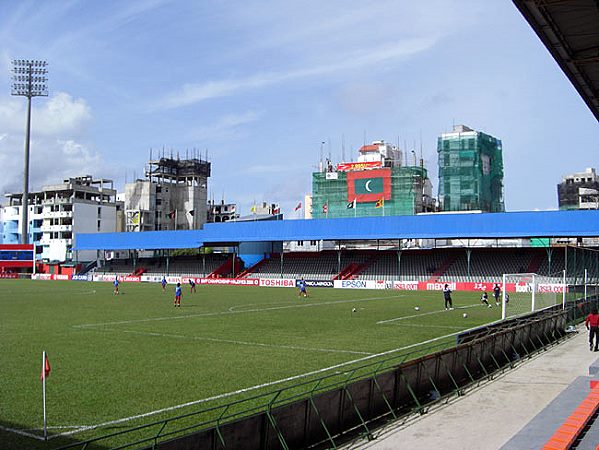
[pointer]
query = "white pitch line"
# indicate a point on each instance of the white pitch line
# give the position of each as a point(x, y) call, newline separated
point(430, 326)
point(253, 388)
point(221, 313)
point(422, 314)
point(22, 433)
point(230, 341)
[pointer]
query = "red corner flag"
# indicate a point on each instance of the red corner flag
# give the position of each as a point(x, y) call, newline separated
point(45, 368)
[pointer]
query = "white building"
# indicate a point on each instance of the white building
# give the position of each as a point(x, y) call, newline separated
point(172, 197)
point(58, 212)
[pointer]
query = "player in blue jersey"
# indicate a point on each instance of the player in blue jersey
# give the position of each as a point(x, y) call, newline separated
point(116, 285)
point(163, 284)
point(497, 294)
point(178, 295)
point(302, 288)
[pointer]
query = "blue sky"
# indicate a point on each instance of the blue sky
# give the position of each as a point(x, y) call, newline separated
point(260, 84)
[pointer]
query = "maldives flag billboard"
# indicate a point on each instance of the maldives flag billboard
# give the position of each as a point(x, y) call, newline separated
point(369, 185)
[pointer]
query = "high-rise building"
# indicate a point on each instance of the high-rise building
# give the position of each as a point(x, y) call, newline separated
point(58, 212)
point(173, 196)
point(377, 184)
point(470, 171)
point(579, 190)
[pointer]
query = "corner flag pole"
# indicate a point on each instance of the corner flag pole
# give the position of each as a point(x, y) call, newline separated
point(44, 376)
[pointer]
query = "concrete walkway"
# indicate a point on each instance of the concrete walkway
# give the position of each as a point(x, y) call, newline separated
point(518, 410)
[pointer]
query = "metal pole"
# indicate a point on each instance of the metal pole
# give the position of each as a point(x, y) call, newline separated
point(281, 258)
point(586, 273)
point(503, 305)
point(534, 291)
point(25, 198)
point(565, 288)
point(44, 393)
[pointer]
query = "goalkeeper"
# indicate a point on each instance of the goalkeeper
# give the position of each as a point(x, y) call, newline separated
point(592, 324)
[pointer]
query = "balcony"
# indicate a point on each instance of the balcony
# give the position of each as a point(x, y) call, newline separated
point(45, 241)
point(57, 201)
point(57, 214)
point(53, 228)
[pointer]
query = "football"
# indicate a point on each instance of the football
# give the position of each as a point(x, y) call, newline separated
point(417, 308)
point(464, 315)
point(353, 310)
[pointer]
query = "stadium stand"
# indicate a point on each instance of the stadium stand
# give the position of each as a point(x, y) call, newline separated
point(180, 265)
point(440, 265)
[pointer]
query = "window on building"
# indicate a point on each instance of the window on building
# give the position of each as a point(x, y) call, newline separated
point(99, 223)
point(300, 243)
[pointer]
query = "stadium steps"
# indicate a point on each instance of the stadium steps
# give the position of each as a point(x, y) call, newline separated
point(346, 272)
point(139, 271)
point(443, 267)
point(226, 268)
point(253, 268)
point(569, 432)
point(365, 265)
point(535, 263)
point(89, 267)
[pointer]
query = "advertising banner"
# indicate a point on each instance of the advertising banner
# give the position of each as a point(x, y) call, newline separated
point(550, 287)
point(231, 281)
point(151, 278)
point(81, 278)
point(348, 167)
point(12, 275)
point(405, 285)
point(277, 282)
point(353, 284)
point(317, 283)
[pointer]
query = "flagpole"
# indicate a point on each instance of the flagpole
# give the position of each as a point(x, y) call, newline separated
point(44, 393)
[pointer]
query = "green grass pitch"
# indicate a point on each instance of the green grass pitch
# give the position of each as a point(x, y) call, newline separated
point(116, 357)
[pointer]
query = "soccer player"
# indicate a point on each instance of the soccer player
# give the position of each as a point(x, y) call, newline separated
point(178, 295)
point(302, 288)
point(192, 286)
point(497, 294)
point(447, 297)
point(163, 284)
point(485, 299)
point(592, 324)
point(116, 285)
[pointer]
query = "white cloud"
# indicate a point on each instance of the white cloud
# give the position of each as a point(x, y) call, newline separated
point(57, 149)
point(198, 92)
point(59, 114)
point(225, 127)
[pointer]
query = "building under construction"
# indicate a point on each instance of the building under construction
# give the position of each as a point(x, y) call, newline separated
point(173, 196)
point(470, 171)
point(378, 184)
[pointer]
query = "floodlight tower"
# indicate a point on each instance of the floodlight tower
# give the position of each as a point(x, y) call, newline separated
point(29, 80)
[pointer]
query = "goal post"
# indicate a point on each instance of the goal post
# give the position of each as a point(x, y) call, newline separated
point(523, 293)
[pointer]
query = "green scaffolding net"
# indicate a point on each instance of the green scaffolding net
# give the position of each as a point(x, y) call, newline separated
point(332, 196)
point(470, 172)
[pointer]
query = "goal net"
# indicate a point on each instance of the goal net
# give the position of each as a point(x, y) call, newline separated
point(524, 293)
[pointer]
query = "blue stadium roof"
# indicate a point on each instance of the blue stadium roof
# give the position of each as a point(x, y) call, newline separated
point(430, 226)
